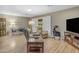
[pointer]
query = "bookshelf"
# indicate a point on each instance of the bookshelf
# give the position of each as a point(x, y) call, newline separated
point(2, 27)
point(40, 24)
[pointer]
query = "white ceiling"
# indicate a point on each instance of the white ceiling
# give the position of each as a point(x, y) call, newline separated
point(21, 10)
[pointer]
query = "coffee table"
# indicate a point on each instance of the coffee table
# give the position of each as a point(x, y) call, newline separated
point(35, 45)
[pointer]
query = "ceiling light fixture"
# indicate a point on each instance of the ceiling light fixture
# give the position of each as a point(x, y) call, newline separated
point(29, 10)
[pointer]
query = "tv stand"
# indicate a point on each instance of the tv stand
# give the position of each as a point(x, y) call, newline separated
point(72, 39)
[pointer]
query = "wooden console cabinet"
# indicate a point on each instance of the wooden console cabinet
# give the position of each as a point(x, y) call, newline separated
point(72, 39)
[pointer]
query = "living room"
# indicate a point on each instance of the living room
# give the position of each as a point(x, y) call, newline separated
point(20, 23)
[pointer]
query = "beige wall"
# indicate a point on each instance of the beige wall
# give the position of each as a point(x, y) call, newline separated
point(59, 18)
point(19, 21)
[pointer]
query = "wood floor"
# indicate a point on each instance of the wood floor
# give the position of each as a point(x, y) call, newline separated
point(17, 44)
point(58, 46)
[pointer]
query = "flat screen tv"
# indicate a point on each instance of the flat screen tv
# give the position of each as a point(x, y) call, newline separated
point(72, 25)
